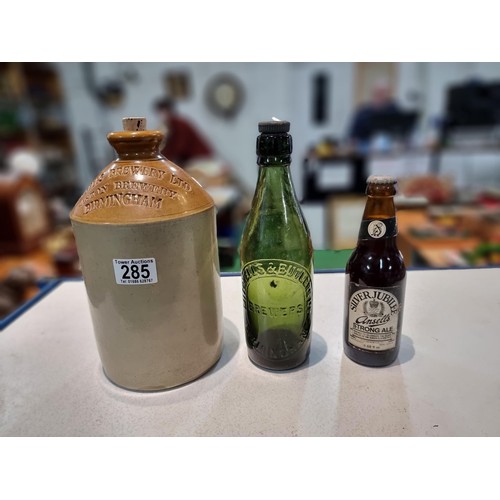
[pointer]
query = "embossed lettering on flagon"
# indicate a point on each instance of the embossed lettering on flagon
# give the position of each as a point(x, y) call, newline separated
point(118, 170)
point(123, 199)
point(373, 319)
point(126, 193)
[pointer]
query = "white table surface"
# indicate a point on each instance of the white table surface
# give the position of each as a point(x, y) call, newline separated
point(446, 381)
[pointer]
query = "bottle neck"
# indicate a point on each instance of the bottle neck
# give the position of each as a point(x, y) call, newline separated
point(274, 185)
point(378, 208)
point(274, 161)
point(141, 145)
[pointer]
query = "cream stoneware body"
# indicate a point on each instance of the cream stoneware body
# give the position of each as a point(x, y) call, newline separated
point(155, 335)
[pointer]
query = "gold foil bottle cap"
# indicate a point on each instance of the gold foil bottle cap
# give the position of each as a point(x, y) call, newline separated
point(381, 179)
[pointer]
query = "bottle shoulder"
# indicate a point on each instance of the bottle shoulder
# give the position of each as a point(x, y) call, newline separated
point(373, 267)
point(267, 237)
point(275, 227)
point(284, 222)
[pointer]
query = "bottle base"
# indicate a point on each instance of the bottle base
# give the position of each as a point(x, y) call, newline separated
point(288, 363)
point(371, 358)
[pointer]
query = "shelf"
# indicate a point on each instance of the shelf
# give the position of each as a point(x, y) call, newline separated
point(33, 101)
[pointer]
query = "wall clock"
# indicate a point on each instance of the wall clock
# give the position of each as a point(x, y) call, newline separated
point(224, 96)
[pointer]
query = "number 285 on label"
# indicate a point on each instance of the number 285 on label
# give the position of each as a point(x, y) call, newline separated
point(135, 271)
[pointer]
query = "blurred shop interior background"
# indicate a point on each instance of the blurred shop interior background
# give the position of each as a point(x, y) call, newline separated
point(435, 126)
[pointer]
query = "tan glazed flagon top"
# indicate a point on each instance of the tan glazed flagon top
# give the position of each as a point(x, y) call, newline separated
point(141, 185)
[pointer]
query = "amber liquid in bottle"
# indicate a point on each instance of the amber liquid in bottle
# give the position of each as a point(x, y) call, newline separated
point(375, 282)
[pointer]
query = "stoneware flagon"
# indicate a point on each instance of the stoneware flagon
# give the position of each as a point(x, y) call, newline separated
point(146, 237)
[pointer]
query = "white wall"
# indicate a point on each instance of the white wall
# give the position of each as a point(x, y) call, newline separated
point(305, 133)
point(266, 95)
point(272, 89)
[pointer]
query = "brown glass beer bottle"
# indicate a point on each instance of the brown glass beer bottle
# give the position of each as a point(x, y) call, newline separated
point(375, 281)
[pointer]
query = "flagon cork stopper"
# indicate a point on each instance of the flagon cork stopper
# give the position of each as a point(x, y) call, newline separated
point(134, 123)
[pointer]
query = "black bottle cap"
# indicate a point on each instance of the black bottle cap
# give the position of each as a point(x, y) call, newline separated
point(274, 127)
point(274, 141)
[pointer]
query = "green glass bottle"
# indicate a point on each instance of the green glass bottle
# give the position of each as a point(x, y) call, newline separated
point(276, 260)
